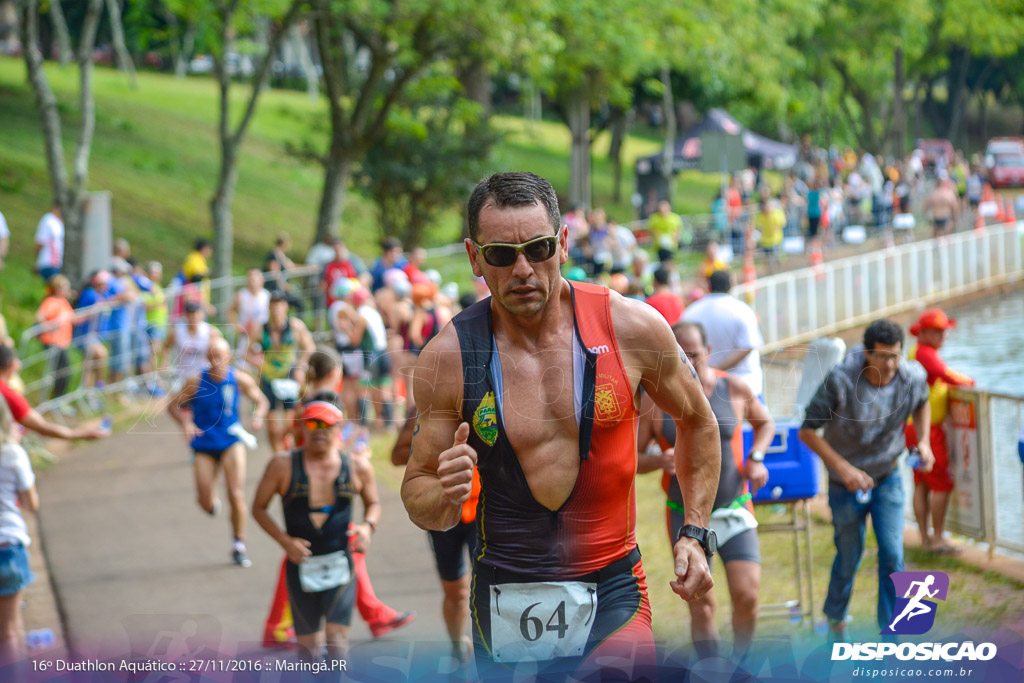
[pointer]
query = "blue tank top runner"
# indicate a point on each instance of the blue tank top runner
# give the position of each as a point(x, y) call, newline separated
point(214, 410)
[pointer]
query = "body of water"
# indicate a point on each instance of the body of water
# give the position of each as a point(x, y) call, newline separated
point(987, 345)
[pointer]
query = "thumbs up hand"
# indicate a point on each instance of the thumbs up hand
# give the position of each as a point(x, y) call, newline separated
point(455, 468)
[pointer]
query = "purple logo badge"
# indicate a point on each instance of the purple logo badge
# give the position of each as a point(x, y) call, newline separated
point(914, 612)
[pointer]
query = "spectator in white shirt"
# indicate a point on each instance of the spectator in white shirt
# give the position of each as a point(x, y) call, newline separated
point(732, 330)
point(50, 244)
point(17, 494)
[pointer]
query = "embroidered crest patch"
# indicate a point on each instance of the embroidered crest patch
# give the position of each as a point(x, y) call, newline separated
point(485, 420)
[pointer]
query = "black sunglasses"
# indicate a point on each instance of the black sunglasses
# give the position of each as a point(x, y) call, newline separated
point(501, 254)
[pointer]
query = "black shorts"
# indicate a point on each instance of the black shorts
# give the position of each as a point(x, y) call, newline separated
point(309, 610)
point(622, 606)
point(450, 549)
point(216, 455)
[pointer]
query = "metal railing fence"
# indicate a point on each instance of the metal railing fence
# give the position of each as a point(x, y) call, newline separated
point(124, 341)
point(800, 305)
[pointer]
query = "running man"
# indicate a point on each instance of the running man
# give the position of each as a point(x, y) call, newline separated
point(215, 434)
point(915, 607)
point(316, 484)
point(324, 377)
point(188, 344)
point(282, 352)
point(733, 402)
point(538, 386)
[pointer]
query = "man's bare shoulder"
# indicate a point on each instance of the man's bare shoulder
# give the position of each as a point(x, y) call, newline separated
point(738, 389)
point(279, 468)
point(438, 370)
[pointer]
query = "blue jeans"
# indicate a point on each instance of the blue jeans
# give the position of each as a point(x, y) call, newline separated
point(15, 574)
point(849, 518)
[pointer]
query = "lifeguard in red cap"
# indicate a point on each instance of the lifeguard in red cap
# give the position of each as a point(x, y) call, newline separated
point(932, 489)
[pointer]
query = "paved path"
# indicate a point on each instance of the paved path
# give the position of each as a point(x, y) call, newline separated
point(132, 555)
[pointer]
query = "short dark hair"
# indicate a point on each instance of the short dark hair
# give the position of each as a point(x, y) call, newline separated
point(662, 276)
point(202, 243)
point(322, 362)
point(882, 332)
point(7, 356)
point(692, 325)
point(720, 281)
point(390, 243)
point(505, 190)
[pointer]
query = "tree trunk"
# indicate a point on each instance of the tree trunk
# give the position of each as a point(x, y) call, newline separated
point(337, 170)
point(475, 79)
point(899, 114)
point(60, 27)
point(532, 109)
point(68, 194)
point(188, 43)
point(668, 154)
point(919, 114)
point(579, 164)
point(957, 79)
point(124, 59)
point(619, 124)
point(301, 49)
point(983, 113)
point(223, 221)
point(231, 140)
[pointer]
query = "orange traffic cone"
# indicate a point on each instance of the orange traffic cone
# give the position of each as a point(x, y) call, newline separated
point(818, 263)
point(1000, 212)
point(979, 222)
point(987, 194)
point(1010, 218)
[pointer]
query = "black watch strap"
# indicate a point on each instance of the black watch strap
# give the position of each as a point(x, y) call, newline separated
point(701, 535)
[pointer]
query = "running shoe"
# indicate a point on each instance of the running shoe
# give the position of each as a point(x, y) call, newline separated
point(215, 510)
point(239, 557)
point(400, 620)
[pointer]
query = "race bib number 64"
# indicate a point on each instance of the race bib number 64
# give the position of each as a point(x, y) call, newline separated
point(539, 621)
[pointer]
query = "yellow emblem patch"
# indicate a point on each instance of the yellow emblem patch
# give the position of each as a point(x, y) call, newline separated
point(606, 404)
point(485, 420)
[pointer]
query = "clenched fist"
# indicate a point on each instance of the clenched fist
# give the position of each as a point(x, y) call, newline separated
point(455, 468)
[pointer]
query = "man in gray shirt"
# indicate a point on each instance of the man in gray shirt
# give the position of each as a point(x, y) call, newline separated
point(863, 406)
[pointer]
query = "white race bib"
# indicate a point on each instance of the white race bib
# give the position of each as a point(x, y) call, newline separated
point(730, 522)
point(324, 572)
point(540, 621)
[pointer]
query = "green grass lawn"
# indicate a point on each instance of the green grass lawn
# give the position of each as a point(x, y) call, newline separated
point(155, 150)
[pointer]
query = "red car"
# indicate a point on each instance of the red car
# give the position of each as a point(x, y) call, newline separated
point(1008, 170)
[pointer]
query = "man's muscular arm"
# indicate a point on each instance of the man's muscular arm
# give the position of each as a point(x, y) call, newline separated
point(439, 476)
point(649, 349)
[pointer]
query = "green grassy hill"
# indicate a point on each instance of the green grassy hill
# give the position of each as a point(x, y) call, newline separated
point(155, 150)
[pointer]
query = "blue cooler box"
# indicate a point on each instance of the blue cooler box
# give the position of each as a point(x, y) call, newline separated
point(794, 471)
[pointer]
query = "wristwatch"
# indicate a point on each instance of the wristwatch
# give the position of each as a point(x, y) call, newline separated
point(707, 538)
point(756, 456)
